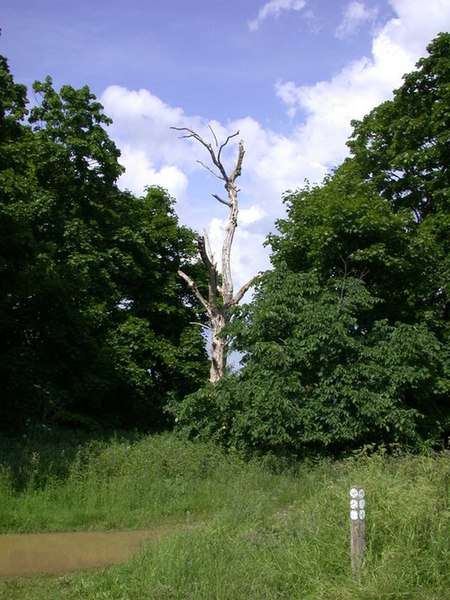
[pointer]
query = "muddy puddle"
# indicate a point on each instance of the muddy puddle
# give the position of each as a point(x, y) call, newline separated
point(28, 554)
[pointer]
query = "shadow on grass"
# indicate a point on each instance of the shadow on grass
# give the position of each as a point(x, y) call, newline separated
point(34, 459)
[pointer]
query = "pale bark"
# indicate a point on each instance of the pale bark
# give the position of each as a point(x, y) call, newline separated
point(221, 298)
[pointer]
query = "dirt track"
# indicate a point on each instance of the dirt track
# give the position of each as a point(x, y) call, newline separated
point(28, 554)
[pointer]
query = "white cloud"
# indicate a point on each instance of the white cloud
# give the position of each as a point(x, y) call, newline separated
point(250, 215)
point(143, 121)
point(417, 23)
point(329, 106)
point(273, 9)
point(274, 162)
point(249, 256)
point(355, 15)
point(140, 173)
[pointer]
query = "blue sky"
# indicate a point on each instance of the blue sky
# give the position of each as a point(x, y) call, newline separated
point(288, 74)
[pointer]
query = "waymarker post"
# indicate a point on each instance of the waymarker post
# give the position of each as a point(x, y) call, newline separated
point(357, 527)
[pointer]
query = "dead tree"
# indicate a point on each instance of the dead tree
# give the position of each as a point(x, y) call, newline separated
point(221, 297)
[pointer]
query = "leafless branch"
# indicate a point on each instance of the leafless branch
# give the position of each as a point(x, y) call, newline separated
point(230, 137)
point(244, 289)
point(221, 200)
point(214, 135)
point(209, 251)
point(202, 325)
point(196, 291)
point(205, 255)
point(238, 169)
point(211, 267)
point(216, 158)
point(209, 169)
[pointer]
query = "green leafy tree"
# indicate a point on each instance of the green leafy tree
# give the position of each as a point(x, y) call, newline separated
point(329, 361)
point(18, 247)
point(94, 318)
point(346, 341)
point(403, 147)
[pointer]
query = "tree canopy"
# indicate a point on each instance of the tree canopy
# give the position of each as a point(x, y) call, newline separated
point(345, 343)
point(94, 320)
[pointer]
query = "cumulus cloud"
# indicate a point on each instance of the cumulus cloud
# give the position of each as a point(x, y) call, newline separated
point(142, 117)
point(329, 106)
point(274, 162)
point(417, 23)
point(151, 151)
point(140, 173)
point(273, 9)
point(355, 15)
point(250, 215)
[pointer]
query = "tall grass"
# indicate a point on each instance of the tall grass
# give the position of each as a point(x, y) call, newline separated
point(115, 484)
point(260, 533)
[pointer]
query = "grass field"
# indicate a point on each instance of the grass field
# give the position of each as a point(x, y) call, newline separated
point(262, 530)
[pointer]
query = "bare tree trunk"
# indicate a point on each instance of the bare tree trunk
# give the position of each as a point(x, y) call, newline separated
point(221, 297)
point(218, 349)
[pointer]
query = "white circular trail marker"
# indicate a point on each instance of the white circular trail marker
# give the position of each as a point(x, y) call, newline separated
point(357, 527)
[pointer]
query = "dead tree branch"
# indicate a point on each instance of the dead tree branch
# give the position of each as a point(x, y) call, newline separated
point(221, 298)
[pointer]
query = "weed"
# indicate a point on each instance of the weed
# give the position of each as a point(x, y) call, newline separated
point(266, 532)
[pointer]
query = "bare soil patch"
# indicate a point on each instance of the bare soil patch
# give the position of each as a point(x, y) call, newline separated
point(28, 554)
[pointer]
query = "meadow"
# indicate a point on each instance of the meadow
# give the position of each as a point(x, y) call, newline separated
point(250, 528)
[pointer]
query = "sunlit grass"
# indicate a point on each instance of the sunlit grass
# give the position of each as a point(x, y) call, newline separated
point(259, 533)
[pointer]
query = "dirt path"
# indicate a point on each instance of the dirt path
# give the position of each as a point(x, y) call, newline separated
point(28, 554)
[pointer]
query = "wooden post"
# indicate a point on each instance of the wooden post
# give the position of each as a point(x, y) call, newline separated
point(357, 527)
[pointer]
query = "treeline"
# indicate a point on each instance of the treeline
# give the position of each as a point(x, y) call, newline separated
point(345, 343)
point(94, 321)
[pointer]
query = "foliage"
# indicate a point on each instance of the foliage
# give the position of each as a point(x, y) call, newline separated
point(93, 317)
point(315, 380)
point(402, 147)
point(346, 341)
point(253, 532)
point(50, 483)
